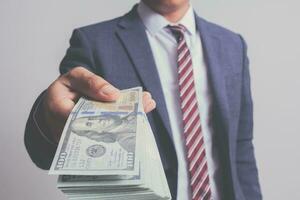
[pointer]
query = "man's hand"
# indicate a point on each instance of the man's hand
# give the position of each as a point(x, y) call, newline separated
point(63, 93)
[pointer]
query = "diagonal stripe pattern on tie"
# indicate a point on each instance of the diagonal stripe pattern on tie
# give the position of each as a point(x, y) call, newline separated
point(195, 149)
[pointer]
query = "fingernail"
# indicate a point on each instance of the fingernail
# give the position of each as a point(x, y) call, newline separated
point(108, 90)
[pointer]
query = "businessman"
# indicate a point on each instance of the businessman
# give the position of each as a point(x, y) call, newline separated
point(197, 77)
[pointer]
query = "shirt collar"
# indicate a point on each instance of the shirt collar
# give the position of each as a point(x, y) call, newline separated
point(155, 22)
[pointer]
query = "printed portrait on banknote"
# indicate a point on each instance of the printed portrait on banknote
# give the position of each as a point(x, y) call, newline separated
point(108, 128)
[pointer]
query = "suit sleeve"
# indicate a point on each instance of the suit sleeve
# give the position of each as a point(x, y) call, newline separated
point(246, 163)
point(78, 54)
point(40, 148)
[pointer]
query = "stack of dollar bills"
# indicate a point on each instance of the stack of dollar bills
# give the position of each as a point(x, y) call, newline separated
point(107, 151)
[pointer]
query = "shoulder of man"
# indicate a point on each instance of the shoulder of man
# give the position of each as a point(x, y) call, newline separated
point(93, 30)
point(218, 31)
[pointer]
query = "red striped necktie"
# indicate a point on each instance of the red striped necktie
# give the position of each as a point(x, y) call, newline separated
point(194, 141)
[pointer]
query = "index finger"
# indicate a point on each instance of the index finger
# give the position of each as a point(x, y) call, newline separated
point(90, 84)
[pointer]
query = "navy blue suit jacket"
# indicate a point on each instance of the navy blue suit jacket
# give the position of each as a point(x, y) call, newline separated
point(118, 50)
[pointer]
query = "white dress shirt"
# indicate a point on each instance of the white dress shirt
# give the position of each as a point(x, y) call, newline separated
point(164, 48)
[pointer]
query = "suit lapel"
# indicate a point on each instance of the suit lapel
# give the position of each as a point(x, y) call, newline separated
point(211, 47)
point(215, 60)
point(133, 36)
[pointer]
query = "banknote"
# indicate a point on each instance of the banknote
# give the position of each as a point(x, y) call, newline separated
point(99, 138)
point(150, 184)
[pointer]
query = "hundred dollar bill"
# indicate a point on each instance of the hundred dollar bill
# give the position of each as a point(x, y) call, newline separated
point(99, 138)
point(151, 183)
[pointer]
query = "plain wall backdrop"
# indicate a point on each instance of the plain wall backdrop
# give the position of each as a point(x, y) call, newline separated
point(34, 36)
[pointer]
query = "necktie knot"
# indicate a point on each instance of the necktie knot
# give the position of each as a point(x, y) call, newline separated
point(177, 31)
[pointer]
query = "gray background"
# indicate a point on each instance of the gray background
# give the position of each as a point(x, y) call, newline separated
point(34, 36)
